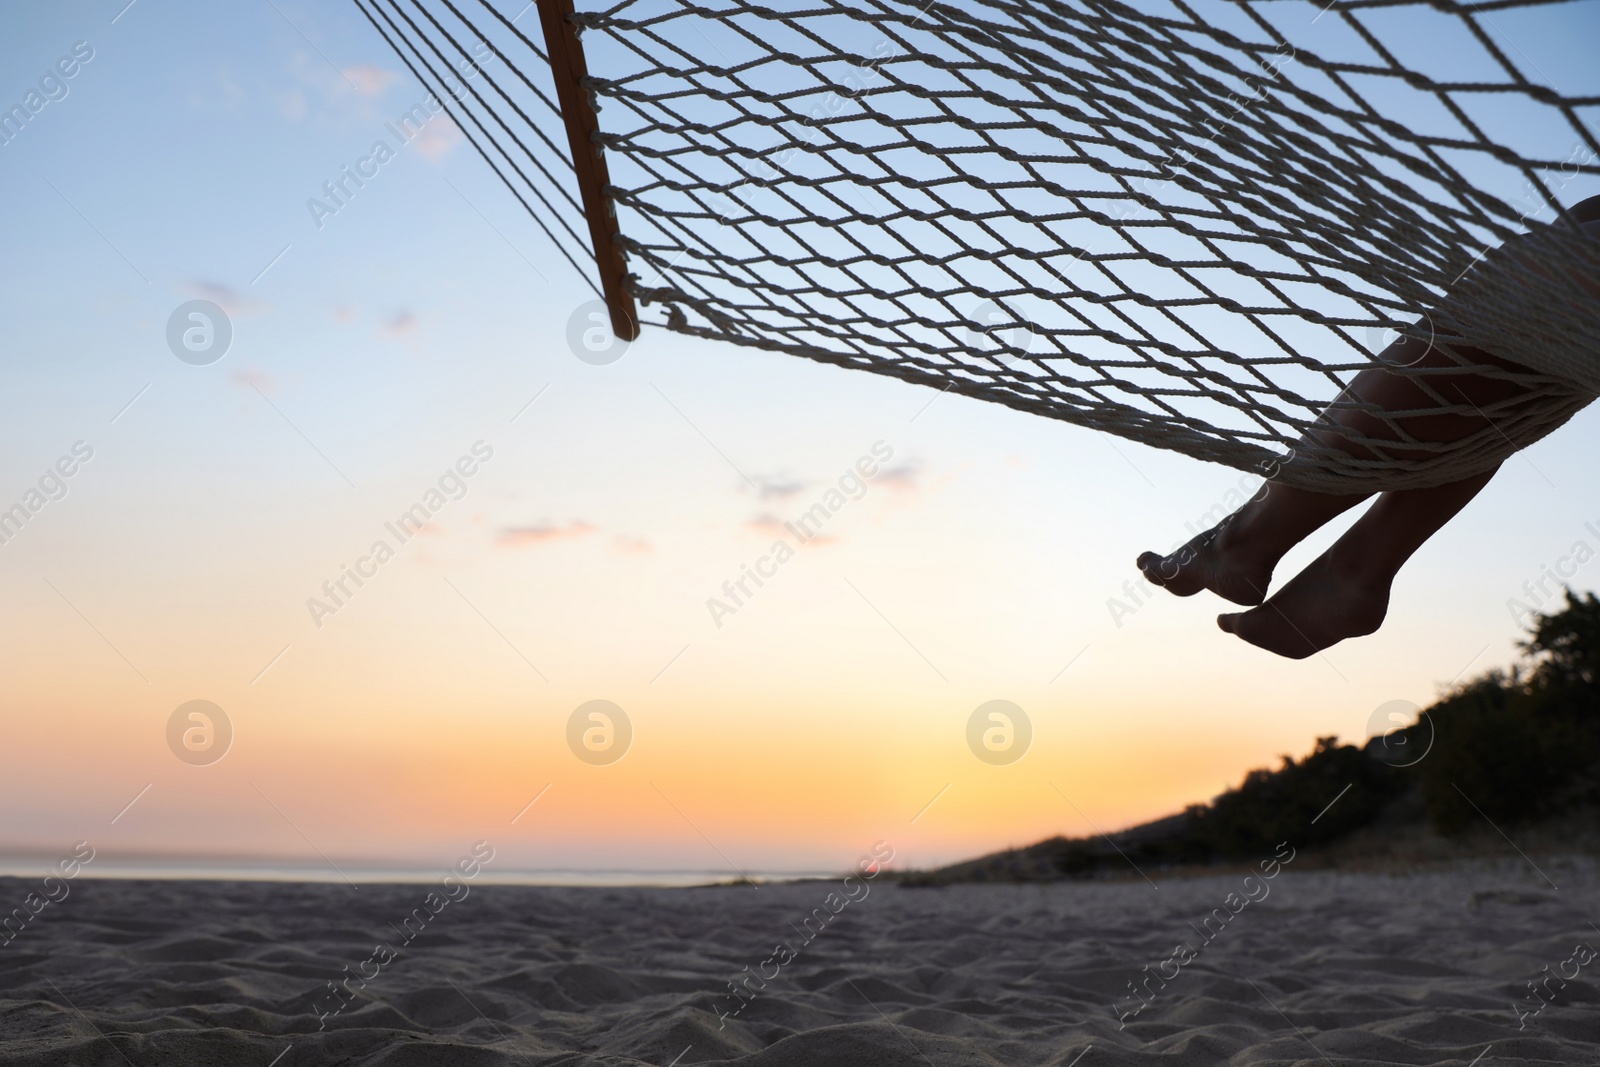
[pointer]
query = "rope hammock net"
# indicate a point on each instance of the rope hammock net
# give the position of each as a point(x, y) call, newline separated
point(1185, 222)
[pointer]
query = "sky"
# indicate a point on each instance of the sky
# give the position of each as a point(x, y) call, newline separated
point(380, 353)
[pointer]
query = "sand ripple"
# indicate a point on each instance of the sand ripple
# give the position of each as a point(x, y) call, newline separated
point(1330, 969)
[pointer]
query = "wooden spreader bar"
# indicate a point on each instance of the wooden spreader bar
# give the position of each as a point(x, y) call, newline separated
point(589, 161)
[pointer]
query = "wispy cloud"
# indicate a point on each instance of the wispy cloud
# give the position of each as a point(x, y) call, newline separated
point(438, 138)
point(765, 523)
point(527, 536)
point(293, 105)
point(780, 490)
point(253, 378)
point(770, 525)
point(905, 476)
point(370, 80)
point(400, 324)
point(226, 297)
point(631, 546)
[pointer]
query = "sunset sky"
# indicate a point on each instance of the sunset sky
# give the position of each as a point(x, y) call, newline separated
point(428, 317)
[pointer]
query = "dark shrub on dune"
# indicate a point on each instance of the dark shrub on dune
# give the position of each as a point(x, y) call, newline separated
point(1510, 746)
point(1311, 801)
point(1525, 744)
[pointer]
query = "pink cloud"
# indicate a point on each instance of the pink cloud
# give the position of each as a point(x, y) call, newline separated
point(293, 106)
point(781, 490)
point(766, 524)
point(226, 297)
point(370, 80)
point(437, 138)
point(251, 378)
point(524, 536)
point(398, 325)
point(906, 476)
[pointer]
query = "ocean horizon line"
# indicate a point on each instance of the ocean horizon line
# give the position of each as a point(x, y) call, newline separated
point(402, 874)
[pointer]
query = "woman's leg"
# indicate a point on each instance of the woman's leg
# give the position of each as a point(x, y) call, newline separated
point(1345, 591)
point(1235, 559)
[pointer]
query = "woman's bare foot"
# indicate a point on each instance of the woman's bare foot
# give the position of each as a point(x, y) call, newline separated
point(1321, 606)
point(1215, 560)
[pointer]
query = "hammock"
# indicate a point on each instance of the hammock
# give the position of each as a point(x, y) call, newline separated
point(1186, 222)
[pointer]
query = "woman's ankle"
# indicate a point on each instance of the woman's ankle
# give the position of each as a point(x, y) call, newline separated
point(1277, 519)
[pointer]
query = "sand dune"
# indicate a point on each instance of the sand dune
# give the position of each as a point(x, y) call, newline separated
point(1325, 969)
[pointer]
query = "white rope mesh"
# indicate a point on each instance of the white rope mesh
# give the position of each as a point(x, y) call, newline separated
point(1181, 222)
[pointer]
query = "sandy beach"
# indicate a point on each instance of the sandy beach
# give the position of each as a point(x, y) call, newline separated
point(1310, 967)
